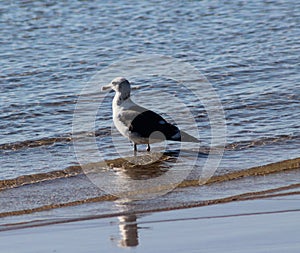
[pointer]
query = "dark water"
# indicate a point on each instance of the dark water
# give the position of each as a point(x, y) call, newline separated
point(249, 52)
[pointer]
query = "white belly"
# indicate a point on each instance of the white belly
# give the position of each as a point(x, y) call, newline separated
point(120, 126)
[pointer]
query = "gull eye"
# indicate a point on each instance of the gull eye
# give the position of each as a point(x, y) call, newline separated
point(114, 83)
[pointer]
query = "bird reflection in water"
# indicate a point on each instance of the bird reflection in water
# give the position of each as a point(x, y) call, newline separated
point(131, 170)
point(129, 231)
point(145, 167)
point(128, 224)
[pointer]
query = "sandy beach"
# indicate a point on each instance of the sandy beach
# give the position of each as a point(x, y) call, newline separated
point(267, 225)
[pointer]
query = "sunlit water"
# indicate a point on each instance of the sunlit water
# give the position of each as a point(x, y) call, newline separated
point(249, 52)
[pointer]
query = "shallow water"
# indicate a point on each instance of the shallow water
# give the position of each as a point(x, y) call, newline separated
point(249, 52)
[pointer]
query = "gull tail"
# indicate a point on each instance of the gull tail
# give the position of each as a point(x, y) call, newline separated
point(185, 137)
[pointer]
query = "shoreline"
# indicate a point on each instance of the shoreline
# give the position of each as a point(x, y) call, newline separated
point(286, 191)
point(265, 225)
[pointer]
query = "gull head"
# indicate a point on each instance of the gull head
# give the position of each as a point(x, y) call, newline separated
point(119, 84)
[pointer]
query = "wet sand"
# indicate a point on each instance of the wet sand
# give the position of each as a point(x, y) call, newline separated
point(265, 225)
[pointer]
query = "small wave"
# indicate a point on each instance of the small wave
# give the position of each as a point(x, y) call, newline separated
point(66, 138)
point(40, 177)
point(281, 166)
point(35, 143)
point(47, 141)
point(58, 205)
point(271, 193)
point(76, 170)
point(260, 142)
point(277, 167)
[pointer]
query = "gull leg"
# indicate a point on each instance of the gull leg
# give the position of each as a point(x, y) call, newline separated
point(134, 147)
point(148, 147)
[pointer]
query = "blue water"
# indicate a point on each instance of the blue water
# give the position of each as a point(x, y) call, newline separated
point(249, 52)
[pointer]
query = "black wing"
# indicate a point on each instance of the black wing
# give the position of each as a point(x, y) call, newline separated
point(144, 122)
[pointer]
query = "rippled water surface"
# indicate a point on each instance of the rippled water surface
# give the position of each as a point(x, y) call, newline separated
point(249, 52)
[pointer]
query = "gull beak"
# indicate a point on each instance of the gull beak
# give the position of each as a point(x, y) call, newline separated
point(106, 87)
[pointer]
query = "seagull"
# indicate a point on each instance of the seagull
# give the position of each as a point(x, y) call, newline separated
point(138, 124)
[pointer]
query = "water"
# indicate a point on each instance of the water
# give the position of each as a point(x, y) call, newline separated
point(49, 51)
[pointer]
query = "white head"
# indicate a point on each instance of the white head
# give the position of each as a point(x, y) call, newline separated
point(119, 84)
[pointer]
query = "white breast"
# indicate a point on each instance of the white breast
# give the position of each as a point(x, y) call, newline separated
point(120, 126)
point(117, 112)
